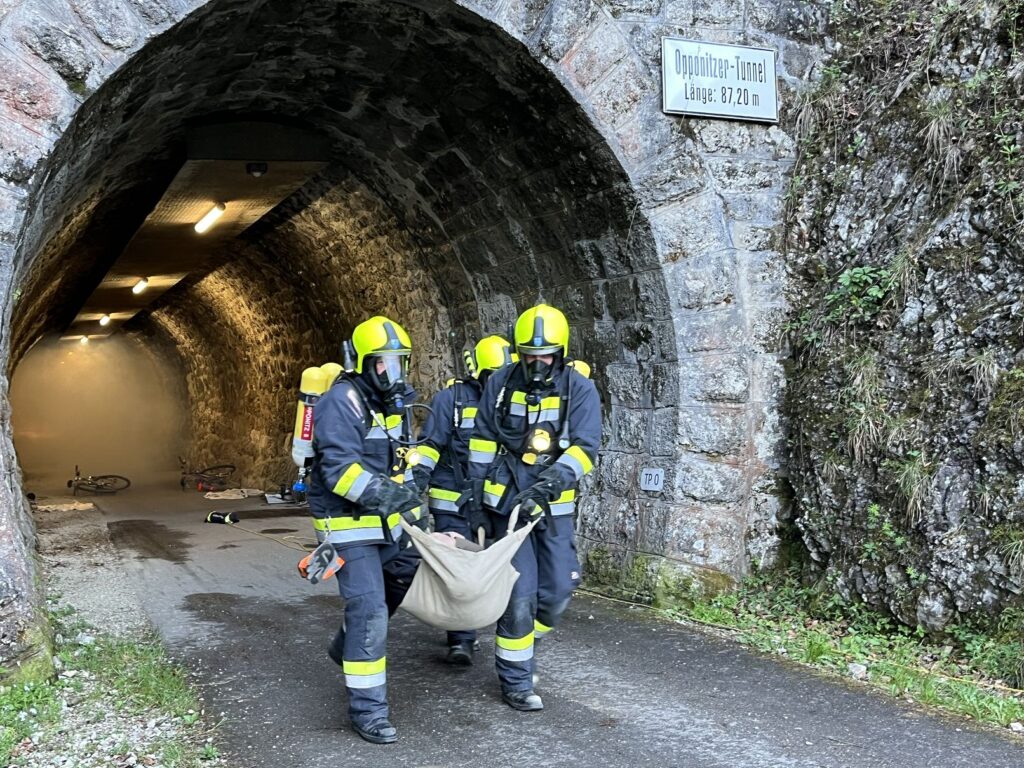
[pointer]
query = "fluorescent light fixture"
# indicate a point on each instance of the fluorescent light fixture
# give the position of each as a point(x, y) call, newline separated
point(210, 218)
point(84, 340)
point(140, 286)
point(105, 320)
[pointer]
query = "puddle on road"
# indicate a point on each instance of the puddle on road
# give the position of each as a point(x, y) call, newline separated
point(150, 540)
point(278, 530)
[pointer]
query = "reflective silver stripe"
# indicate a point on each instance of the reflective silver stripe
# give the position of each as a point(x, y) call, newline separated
point(396, 532)
point(468, 422)
point(426, 461)
point(571, 461)
point(358, 486)
point(443, 505)
point(493, 499)
point(376, 433)
point(517, 409)
point(564, 508)
point(507, 655)
point(482, 457)
point(539, 633)
point(366, 681)
point(548, 414)
point(355, 534)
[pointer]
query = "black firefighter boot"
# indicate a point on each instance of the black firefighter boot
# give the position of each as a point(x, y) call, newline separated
point(524, 701)
point(460, 654)
point(378, 732)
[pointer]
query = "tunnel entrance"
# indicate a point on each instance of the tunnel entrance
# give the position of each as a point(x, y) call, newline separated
point(476, 159)
point(462, 182)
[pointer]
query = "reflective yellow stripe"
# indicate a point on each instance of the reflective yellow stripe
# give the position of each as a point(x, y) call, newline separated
point(514, 643)
point(364, 667)
point(346, 523)
point(539, 630)
point(430, 453)
point(569, 495)
point(581, 456)
point(441, 493)
point(493, 493)
point(469, 412)
point(353, 482)
point(482, 451)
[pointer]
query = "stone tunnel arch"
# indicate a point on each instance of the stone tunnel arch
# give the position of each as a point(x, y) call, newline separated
point(495, 154)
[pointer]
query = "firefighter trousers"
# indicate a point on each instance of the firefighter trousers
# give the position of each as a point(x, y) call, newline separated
point(362, 638)
point(549, 571)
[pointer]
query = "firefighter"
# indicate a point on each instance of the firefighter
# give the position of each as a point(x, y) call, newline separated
point(443, 468)
point(356, 496)
point(538, 429)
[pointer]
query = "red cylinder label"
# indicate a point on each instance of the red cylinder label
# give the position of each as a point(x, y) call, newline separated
point(307, 422)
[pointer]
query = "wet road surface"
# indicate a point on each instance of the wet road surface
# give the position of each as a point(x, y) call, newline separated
point(620, 687)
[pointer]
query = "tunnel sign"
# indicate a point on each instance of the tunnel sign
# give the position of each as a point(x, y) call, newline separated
point(652, 479)
point(717, 80)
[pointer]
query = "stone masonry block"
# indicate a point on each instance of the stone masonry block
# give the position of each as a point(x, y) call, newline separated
point(709, 331)
point(755, 237)
point(20, 152)
point(768, 379)
point(703, 535)
point(715, 431)
point(664, 432)
point(565, 24)
point(61, 48)
point(25, 93)
point(650, 133)
point(716, 378)
point(632, 426)
point(111, 21)
point(616, 98)
point(664, 383)
point(707, 280)
point(763, 208)
point(522, 17)
point(691, 228)
point(619, 473)
point(625, 385)
point(675, 175)
point(638, 340)
point(745, 175)
point(634, 9)
point(708, 481)
point(602, 49)
point(705, 13)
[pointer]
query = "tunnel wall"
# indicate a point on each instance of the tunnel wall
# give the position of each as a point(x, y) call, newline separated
point(678, 308)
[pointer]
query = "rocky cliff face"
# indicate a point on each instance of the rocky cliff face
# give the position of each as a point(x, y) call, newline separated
point(905, 400)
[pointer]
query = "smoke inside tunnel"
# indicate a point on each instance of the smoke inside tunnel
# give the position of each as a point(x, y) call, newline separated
point(110, 407)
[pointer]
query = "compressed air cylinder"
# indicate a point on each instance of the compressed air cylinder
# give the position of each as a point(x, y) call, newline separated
point(331, 372)
point(310, 389)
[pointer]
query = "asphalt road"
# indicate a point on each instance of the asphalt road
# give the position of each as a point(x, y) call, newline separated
point(621, 688)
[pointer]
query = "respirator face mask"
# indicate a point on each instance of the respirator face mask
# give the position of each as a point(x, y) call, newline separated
point(388, 375)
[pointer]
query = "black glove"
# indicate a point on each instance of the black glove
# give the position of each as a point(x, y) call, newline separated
point(394, 497)
point(538, 497)
point(421, 476)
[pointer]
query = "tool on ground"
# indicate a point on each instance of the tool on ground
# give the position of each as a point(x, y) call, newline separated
point(226, 518)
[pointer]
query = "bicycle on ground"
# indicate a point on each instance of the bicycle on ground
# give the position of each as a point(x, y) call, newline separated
point(97, 483)
point(213, 478)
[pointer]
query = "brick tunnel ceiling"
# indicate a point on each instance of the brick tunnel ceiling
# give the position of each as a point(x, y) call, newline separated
point(464, 184)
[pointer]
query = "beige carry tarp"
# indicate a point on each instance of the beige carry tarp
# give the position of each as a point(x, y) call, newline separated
point(458, 589)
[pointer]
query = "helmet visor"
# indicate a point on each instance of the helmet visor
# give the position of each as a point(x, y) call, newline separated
point(392, 369)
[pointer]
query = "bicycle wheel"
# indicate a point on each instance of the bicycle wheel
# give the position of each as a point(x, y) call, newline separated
point(223, 471)
point(105, 483)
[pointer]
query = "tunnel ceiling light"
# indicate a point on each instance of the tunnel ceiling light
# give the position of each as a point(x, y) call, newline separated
point(210, 218)
point(84, 340)
point(140, 286)
point(105, 320)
